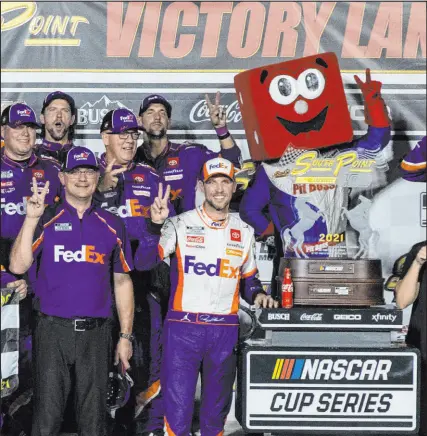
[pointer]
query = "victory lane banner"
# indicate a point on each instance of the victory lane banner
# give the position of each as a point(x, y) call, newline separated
point(329, 392)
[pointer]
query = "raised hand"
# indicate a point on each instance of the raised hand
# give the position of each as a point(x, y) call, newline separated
point(35, 204)
point(160, 208)
point(216, 111)
point(21, 288)
point(110, 178)
point(370, 88)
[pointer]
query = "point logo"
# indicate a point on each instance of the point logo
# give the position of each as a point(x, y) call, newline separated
point(329, 369)
point(235, 235)
point(221, 268)
point(24, 112)
point(82, 156)
point(86, 254)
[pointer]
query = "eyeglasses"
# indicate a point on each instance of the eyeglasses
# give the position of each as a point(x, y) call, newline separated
point(75, 173)
point(125, 135)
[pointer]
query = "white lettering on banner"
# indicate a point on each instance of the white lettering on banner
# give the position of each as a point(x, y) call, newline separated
point(93, 113)
point(200, 112)
point(278, 317)
point(14, 208)
point(313, 317)
point(380, 317)
point(348, 317)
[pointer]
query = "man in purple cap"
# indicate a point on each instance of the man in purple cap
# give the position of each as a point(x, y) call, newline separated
point(128, 189)
point(80, 250)
point(414, 164)
point(58, 117)
point(179, 164)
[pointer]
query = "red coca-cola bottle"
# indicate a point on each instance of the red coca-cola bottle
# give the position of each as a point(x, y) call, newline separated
point(287, 290)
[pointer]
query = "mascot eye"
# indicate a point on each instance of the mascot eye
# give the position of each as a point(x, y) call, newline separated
point(283, 89)
point(311, 83)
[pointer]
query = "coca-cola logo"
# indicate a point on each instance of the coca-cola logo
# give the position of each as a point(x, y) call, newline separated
point(200, 112)
point(196, 239)
point(311, 317)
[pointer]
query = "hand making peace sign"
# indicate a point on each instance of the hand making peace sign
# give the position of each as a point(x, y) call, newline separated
point(110, 178)
point(35, 204)
point(216, 111)
point(371, 88)
point(160, 208)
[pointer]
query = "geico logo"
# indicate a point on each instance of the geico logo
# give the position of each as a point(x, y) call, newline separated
point(14, 208)
point(221, 268)
point(131, 208)
point(86, 254)
point(339, 317)
point(344, 369)
point(278, 317)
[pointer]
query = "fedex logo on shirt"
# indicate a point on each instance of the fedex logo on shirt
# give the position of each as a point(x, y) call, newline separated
point(14, 208)
point(86, 254)
point(221, 268)
point(132, 208)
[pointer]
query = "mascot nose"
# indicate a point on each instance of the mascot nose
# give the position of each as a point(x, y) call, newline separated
point(301, 107)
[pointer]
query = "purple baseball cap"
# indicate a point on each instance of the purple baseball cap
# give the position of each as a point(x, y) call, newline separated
point(155, 98)
point(79, 157)
point(59, 95)
point(19, 114)
point(119, 120)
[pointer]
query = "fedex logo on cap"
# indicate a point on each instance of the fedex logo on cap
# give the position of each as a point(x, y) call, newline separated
point(221, 268)
point(217, 166)
point(127, 118)
point(82, 156)
point(24, 112)
point(153, 97)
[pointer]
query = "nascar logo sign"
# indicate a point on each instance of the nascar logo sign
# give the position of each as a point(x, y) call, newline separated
point(344, 391)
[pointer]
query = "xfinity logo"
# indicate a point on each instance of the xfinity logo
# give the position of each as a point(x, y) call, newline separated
point(347, 317)
point(279, 317)
point(381, 317)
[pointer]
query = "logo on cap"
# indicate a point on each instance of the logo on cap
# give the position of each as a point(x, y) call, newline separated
point(127, 118)
point(24, 112)
point(82, 156)
point(217, 166)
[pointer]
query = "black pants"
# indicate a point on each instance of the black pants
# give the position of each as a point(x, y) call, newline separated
point(58, 350)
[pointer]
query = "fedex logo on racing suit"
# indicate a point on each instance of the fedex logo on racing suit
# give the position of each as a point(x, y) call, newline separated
point(221, 268)
point(86, 254)
point(131, 208)
point(14, 208)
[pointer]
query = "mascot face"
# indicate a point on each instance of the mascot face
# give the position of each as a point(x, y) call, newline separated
point(299, 103)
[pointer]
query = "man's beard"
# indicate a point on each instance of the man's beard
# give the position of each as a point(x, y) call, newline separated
point(156, 135)
point(58, 137)
point(218, 208)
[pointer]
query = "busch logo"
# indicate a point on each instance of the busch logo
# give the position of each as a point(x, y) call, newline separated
point(347, 317)
point(14, 208)
point(86, 254)
point(235, 235)
point(221, 268)
point(93, 113)
point(278, 317)
point(313, 317)
point(196, 239)
point(380, 317)
point(200, 112)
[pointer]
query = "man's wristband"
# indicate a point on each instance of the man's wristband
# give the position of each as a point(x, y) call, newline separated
point(222, 132)
point(129, 336)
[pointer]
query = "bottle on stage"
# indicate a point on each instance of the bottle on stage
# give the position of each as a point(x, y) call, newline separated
point(287, 290)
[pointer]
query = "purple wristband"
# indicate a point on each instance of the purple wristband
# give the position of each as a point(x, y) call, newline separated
point(222, 131)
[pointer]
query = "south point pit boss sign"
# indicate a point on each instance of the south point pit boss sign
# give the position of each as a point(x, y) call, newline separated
point(359, 392)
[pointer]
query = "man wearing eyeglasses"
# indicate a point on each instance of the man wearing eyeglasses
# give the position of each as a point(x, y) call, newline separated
point(128, 189)
point(81, 252)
